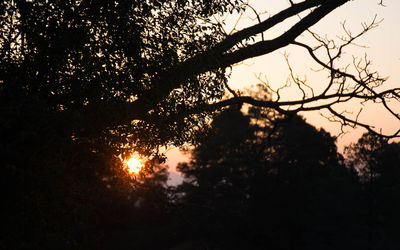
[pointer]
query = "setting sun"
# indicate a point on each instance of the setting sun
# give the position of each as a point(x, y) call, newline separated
point(134, 165)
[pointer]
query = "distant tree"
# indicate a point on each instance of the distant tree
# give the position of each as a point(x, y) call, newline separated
point(377, 162)
point(363, 156)
point(268, 184)
point(373, 157)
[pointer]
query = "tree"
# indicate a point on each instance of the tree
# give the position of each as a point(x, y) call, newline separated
point(365, 156)
point(160, 64)
point(61, 61)
point(269, 184)
point(376, 160)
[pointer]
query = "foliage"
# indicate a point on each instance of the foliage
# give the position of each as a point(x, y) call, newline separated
point(63, 65)
point(373, 156)
point(81, 56)
point(377, 161)
point(152, 71)
point(245, 187)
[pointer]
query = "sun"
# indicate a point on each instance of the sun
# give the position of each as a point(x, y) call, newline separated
point(134, 165)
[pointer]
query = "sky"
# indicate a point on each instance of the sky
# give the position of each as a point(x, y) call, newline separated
point(380, 44)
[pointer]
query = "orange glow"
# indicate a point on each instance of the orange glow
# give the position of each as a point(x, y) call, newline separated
point(134, 165)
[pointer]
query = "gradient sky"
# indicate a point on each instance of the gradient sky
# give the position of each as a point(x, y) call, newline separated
point(382, 49)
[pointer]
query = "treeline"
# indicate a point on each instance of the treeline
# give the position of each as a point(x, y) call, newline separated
point(255, 181)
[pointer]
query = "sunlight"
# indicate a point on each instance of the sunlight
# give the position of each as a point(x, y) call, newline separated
point(134, 165)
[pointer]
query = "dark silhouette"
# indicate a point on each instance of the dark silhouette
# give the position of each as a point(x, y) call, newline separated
point(377, 162)
point(85, 83)
point(94, 68)
point(244, 189)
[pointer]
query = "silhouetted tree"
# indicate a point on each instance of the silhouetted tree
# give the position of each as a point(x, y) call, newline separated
point(97, 67)
point(377, 162)
point(273, 184)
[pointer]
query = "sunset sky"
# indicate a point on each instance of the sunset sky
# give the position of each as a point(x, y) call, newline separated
point(382, 48)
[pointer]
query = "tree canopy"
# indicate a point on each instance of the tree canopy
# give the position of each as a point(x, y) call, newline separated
point(154, 70)
point(287, 189)
point(253, 188)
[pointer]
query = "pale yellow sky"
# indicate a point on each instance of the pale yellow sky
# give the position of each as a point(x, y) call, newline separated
point(382, 49)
